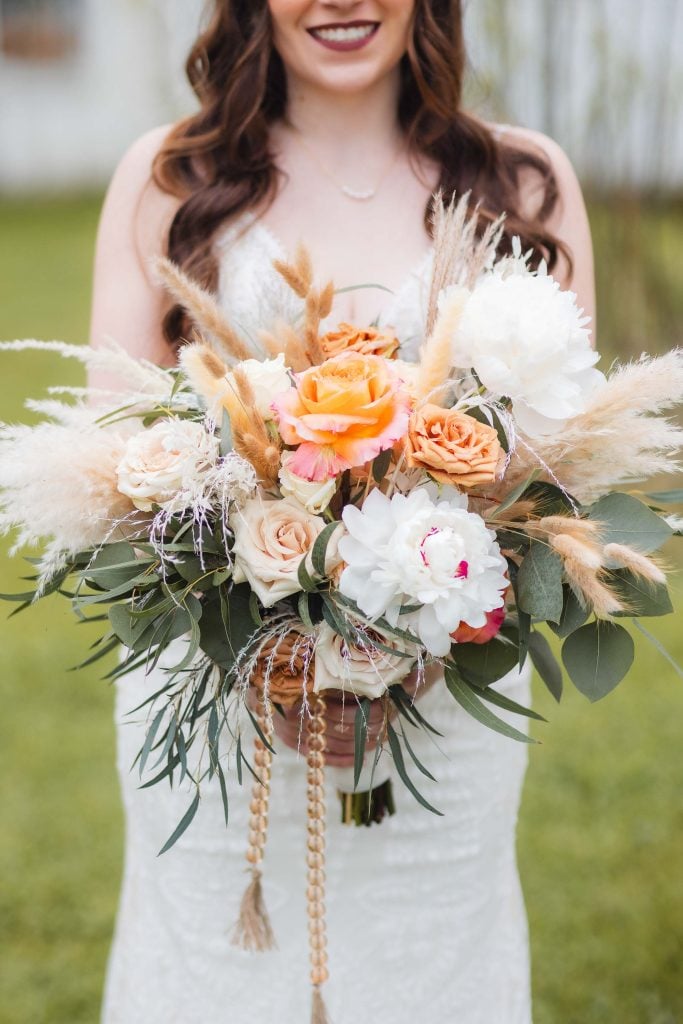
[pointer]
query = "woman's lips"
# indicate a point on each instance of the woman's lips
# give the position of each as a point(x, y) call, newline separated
point(350, 36)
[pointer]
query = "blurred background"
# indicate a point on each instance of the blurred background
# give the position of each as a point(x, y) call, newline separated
point(601, 830)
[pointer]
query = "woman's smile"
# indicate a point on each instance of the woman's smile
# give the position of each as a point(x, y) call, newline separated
point(351, 35)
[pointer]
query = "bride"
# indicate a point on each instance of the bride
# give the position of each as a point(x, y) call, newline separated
point(331, 122)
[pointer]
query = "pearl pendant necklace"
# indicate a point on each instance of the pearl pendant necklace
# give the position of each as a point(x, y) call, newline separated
point(357, 195)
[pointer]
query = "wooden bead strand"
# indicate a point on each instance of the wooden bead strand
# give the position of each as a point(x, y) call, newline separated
point(316, 727)
point(253, 930)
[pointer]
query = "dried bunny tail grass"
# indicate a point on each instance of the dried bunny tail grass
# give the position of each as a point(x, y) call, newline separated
point(317, 302)
point(202, 307)
point(574, 549)
point(204, 370)
point(459, 256)
point(284, 339)
point(435, 355)
point(637, 563)
point(586, 530)
point(587, 583)
point(109, 358)
point(621, 438)
point(250, 435)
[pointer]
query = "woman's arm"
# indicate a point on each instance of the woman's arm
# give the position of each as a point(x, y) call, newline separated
point(128, 305)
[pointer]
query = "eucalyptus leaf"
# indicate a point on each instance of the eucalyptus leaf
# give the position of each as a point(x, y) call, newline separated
point(573, 615)
point(182, 826)
point(319, 550)
point(539, 583)
point(380, 465)
point(674, 497)
point(397, 754)
point(507, 704)
point(473, 704)
point(546, 664)
point(360, 737)
point(516, 493)
point(481, 664)
point(626, 520)
point(597, 657)
point(639, 596)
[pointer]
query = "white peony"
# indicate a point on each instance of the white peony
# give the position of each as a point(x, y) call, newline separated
point(271, 538)
point(412, 550)
point(312, 494)
point(362, 669)
point(172, 456)
point(268, 378)
point(527, 340)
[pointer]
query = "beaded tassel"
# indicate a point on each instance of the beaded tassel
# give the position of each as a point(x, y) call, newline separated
point(315, 894)
point(253, 930)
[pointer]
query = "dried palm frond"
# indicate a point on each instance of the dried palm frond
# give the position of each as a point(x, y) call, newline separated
point(436, 359)
point(459, 255)
point(203, 308)
point(621, 438)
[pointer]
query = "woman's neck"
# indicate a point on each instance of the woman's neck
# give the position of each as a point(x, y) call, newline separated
point(342, 125)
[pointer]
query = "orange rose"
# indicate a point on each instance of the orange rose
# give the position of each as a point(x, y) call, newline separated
point(286, 663)
point(465, 634)
point(453, 447)
point(366, 341)
point(342, 414)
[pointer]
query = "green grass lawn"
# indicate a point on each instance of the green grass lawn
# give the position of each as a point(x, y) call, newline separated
point(601, 832)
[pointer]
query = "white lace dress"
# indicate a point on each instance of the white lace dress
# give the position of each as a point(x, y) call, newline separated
point(426, 919)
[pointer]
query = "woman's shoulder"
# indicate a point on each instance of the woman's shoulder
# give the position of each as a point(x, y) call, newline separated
point(136, 210)
point(537, 143)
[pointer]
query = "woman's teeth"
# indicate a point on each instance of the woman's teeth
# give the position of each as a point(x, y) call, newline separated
point(344, 35)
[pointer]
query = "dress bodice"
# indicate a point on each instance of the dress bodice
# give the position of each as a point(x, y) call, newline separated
point(255, 296)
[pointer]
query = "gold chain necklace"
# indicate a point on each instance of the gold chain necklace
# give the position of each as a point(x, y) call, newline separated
point(360, 195)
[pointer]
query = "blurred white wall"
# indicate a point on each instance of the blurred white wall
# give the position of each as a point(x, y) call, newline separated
point(604, 77)
point(66, 122)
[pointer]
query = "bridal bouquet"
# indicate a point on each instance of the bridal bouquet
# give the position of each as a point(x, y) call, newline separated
point(312, 514)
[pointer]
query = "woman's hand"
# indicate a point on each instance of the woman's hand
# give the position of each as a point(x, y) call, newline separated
point(341, 716)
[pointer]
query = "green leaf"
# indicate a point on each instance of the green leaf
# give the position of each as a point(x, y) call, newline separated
point(667, 497)
point(150, 737)
point(507, 704)
point(415, 759)
point(597, 657)
point(226, 435)
point(478, 413)
point(319, 550)
point(640, 597)
point(481, 664)
point(380, 465)
point(182, 826)
point(573, 615)
point(627, 520)
point(306, 581)
point(550, 500)
point(468, 699)
point(397, 754)
point(226, 626)
point(524, 629)
point(509, 499)
point(360, 737)
point(546, 664)
point(539, 583)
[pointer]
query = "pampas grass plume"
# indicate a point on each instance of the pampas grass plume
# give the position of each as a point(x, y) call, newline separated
point(435, 356)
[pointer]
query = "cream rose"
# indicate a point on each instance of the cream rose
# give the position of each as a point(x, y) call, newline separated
point(364, 670)
point(271, 538)
point(268, 379)
point(314, 496)
point(169, 457)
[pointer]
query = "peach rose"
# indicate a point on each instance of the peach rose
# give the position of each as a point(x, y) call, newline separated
point(453, 447)
point(465, 634)
point(366, 341)
point(342, 414)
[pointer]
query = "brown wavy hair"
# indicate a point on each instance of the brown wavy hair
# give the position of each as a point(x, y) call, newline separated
point(218, 161)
